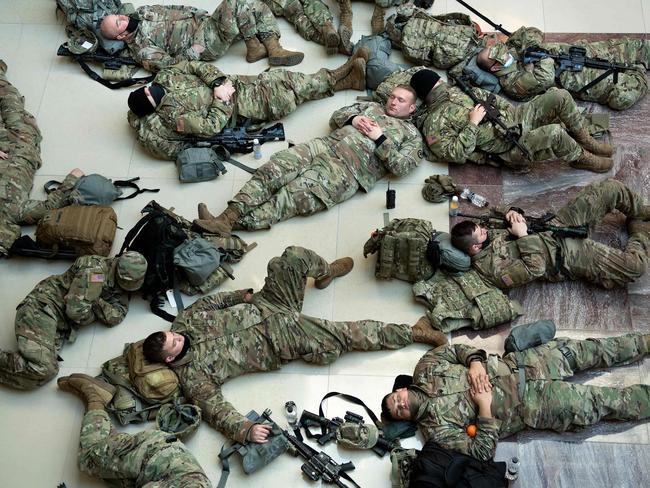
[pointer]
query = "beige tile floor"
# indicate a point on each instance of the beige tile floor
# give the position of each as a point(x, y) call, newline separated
point(84, 125)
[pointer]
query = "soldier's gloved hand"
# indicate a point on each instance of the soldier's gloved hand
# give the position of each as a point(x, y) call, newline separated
point(259, 433)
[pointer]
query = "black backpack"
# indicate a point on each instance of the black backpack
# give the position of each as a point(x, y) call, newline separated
point(436, 467)
point(155, 236)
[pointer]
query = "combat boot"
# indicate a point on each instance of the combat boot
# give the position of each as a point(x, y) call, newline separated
point(278, 56)
point(345, 26)
point(340, 267)
point(424, 333)
point(343, 70)
point(96, 393)
point(377, 21)
point(593, 145)
point(355, 79)
point(255, 50)
point(591, 162)
point(221, 224)
point(331, 38)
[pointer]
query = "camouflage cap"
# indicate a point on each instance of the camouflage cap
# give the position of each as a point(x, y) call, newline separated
point(499, 52)
point(357, 436)
point(131, 268)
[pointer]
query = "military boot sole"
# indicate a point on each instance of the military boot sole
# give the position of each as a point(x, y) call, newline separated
point(288, 60)
point(332, 41)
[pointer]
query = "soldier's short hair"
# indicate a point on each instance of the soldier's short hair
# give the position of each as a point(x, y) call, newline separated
point(409, 89)
point(385, 412)
point(461, 235)
point(152, 347)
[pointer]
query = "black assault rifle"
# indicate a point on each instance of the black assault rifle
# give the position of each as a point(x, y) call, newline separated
point(534, 224)
point(493, 115)
point(239, 139)
point(317, 465)
point(577, 60)
point(498, 27)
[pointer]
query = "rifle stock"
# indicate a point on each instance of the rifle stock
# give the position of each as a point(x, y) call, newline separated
point(239, 139)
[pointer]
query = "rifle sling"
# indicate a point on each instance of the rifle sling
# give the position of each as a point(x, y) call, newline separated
point(240, 165)
point(111, 84)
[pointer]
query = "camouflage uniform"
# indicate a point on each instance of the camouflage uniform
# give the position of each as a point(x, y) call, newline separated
point(319, 174)
point(53, 311)
point(520, 82)
point(229, 337)
point(546, 124)
point(441, 404)
point(510, 263)
point(148, 459)
point(440, 41)
point(190, 109)
point(307, 16)
point(166, 34)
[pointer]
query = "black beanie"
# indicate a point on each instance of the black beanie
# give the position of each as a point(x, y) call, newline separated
point(422, 82)
point(139, 103)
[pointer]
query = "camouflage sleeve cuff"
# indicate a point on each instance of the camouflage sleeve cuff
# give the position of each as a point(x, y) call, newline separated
point(238, 296)
point(530, 244)
point(490, 424)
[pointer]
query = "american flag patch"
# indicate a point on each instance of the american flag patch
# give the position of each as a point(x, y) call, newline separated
point(97, 278)
point(431, 140)
point(507, 280)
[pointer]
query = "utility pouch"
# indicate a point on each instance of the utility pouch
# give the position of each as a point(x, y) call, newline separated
point(196, 164)
point(198, 259)
point(525, 336)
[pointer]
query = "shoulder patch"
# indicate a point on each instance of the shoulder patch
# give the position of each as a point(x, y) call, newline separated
point(97, 278)
point(507, 280)
point(432, 139)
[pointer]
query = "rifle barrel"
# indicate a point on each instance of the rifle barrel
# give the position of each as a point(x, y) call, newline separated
point(498, 27)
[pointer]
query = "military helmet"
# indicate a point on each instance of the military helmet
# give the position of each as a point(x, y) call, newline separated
point(180, 419)
point(131, 268)
point(81, 41)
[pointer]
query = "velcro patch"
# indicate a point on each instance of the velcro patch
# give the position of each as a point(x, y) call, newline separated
point(97, 278)
point(431, 140)
point(507, 280)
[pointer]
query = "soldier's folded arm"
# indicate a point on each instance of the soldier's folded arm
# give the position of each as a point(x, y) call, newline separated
point(343, 115)
point(454, 437)
point(196, 123)
point(161, 147)
point(154, 59)
point(533, 254)
point(526, 37)
point(224, 299)
point(524, 84)
point(219, 413)
point(452, 354)
point(206, 72)
point(400, 158)
point(455, 145)
point(111, 308)
point(85, 289)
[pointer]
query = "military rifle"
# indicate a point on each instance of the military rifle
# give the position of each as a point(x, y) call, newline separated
point(493, 115)
point(534, 224)
point(25, 246)
point(576, 60)
point(317, 465)
point(496, 26)
point(240, 139)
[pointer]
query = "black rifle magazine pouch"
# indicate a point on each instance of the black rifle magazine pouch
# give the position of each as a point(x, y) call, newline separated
point(196, 164)
point(525, 336)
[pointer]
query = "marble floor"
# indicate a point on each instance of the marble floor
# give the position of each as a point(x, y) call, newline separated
point(84, 124)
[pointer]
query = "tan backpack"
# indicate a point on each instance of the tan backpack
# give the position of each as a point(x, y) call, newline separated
point(88, 229)
point(153, 381)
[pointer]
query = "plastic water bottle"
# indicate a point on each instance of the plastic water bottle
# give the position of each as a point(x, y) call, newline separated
point(454, 206)
point(512, 472)
point(257, 149)
point(475, 198)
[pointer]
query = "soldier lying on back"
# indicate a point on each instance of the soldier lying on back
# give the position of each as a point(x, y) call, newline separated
point(511, 258)
point(194, 98)
point(158, 36)
point(233, 333)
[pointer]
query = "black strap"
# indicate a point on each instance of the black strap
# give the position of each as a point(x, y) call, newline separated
point(111, 84)
point(351, 399)
point(51, 186)
point(131, 184)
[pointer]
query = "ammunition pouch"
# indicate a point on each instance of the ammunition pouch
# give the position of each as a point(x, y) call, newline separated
point(525, 336)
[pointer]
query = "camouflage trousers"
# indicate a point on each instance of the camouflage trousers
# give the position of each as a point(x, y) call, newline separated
point(35, 363)
point(20, 141)
point(632, 85)
point(145, 459)
point(550, 403)
point(234, 20)
point(275, 94)
point(547, 122)
point(307, 16)
point(302, 180)
point(593, 261)
point(320, 341)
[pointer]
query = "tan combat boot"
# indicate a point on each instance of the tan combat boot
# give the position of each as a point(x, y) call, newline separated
point(591, 162)
point(340, 267)
point(331, 38)
point(593, 145)
point(278, 56)
point(355, 79)
point(424, 333)
point(95, 392)
point(345, 26)
point(344, 69)
point(377, 21)
point(221, 224)
point(255, 50)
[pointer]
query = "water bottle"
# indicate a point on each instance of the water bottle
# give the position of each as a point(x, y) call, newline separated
point(257, 149)
point(454, 206)
point(475, 198)
point(512, 472)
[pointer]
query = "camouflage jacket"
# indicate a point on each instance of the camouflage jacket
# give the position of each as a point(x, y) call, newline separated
point(444, 407)
point(85, 293)
point(398, 154)
point(449, 134)
point(165, 35)
point(440, 41)
point(228, 338)
point(188, 108)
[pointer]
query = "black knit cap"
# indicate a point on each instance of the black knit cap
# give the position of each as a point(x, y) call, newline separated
point(422, 82)
point(139, 103)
